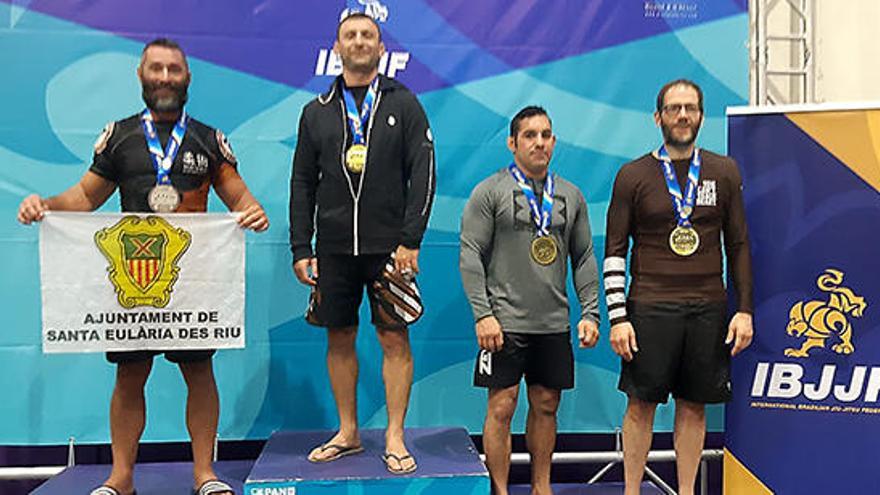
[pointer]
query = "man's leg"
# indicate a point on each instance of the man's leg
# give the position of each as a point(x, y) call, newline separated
point(342, 368)
point(496, 435)
point(690, 431)
point(541, 435)
point(127, 419)
point(638, 426)
point(202, 415)
point(397, 372)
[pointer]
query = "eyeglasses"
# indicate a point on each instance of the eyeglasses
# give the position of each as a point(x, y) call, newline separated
point(676, 108)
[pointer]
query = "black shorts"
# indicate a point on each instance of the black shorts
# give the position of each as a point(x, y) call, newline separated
point(186, 356)
point(341, 280)
point(681, 351)
point(544, 359)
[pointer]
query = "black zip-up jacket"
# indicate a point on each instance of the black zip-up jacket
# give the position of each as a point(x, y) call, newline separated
point(385, 206)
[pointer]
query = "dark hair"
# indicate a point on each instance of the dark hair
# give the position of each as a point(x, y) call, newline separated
point(165, 43)
point(357, 15)
point(679, 82)
point(529, 111)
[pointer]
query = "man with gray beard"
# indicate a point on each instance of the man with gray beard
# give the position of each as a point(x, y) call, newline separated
point(162, 161)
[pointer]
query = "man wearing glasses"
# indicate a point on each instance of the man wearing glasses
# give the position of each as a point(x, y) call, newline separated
point(671, 329)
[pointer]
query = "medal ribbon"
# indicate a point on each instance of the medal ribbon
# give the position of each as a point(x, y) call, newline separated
point(163, 159)
point(357, 121)
point(682, 204)
point(540, 214)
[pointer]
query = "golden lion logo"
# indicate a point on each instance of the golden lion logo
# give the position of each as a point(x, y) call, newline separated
point(143, 255)
point(820, 320)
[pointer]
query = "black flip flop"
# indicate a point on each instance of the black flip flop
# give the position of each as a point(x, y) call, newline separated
point(341, 451)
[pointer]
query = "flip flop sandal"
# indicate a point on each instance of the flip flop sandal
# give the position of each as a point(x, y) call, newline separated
point(108, 490)
point(340, 452)
point(211, 487)
point(399, 469)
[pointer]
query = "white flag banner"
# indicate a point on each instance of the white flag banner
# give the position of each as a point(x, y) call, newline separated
point(120, 282)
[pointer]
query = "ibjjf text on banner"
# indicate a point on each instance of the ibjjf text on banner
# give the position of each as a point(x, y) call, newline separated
point(116, 282)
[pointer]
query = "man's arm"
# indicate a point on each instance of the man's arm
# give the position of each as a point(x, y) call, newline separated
point(583, 263)
point(617, 231)
point(237, 197)
point(585, 274)
point(303, 187)
point(88, 194)
point(477, 232)
point(419, 164)
point(739, 261)
point(736, 242)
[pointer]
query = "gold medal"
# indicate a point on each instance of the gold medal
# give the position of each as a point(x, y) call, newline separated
point(544, 250)
point(356, 158)
point(684, 241)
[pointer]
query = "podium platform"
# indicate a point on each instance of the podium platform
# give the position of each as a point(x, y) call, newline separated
point(168, 478)
point(448, 463)
point(613, 488)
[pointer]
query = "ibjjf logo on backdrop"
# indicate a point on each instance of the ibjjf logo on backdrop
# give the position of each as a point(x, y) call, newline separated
point(372, 8)
point(820, 321)
point(823, 324)
point(143, 254)
point(329, 64)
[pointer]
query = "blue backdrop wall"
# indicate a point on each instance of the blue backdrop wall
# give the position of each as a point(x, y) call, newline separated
point(596, 66)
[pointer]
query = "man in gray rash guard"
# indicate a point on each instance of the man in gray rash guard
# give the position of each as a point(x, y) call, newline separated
point(519, 228)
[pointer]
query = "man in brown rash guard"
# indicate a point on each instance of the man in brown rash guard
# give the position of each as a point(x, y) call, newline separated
point(671, 330)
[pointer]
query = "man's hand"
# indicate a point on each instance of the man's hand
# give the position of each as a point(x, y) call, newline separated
point(739, 332)
point(253, 217)
point(623, 340)
point(306, 270)
point(588, 333)
point(32, 209)
point(489, 336)
point(406, 261)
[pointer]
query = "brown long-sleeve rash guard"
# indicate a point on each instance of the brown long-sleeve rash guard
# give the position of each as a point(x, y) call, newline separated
point(641, 209)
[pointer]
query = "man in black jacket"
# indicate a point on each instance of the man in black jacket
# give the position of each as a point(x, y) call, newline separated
point(364, 171)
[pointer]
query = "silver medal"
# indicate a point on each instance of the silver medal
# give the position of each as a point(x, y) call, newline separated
point(163, 198)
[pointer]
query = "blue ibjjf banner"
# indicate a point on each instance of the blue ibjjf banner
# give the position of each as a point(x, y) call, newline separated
point(595, 66)
point(805, 408)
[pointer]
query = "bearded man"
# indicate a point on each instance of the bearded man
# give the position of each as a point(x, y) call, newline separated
point(162, 160)
point(680, 205)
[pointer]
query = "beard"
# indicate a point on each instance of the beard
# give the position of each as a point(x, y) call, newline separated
point(169, 103)
point(670, 139)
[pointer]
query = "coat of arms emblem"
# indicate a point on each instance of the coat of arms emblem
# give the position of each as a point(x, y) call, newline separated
point(143, 254)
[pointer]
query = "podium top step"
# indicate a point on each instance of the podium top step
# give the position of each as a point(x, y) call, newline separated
point(439, 452)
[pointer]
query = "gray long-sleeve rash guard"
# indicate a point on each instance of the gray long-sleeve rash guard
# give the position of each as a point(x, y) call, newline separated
point(498, 273)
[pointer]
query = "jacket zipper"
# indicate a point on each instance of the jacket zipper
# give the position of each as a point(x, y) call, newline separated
point(356, 197)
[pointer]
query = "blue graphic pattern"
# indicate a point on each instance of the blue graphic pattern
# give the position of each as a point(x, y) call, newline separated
point(253, 69)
